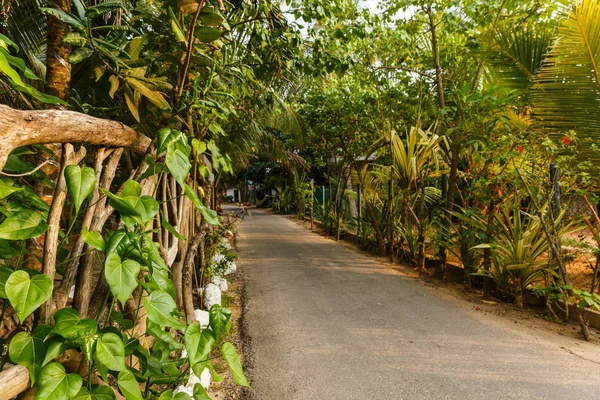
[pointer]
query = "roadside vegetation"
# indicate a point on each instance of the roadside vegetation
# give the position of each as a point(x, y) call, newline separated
point(446, 134)
point(438, 132)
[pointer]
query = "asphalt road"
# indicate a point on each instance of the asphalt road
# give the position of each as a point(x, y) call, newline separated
point(325, 322)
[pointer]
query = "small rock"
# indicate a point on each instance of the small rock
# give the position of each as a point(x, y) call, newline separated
point(183, 389)
point(192, 380)
point(202, 317)
point(212, 295)
point(205, 378)
point(231, 268)
point(72, 293)
point(220, 282)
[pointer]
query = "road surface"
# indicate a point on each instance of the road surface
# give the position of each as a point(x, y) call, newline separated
point(325, 322)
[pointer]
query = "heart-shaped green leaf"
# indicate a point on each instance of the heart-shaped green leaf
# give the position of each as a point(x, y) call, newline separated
point(200, 392)
point(167, 136)
point(70, 326)
point(29, 349)
point(232, 357)
point(55, 384)
point(178, 163)
point(4, 275)
point(121, 276)
point(160, 308)
point(211, 216)
point(7, 188)
point(23, 224)
point(94, 239)
point(129, 386)
point(219, 320)
point(198, 344)
point(211, 19)
point(27, 294)
point(110, 351)
point(99, 393)
point(80, 183)
point(207, 35)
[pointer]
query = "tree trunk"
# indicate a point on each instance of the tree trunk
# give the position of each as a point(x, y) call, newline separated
point(58, 68)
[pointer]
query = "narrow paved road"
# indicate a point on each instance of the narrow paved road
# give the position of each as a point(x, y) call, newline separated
point(328, 323)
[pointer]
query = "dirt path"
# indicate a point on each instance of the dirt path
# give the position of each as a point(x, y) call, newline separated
point(325, 322)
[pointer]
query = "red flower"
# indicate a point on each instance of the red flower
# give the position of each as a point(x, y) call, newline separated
point(566, 141)
point(520, 149)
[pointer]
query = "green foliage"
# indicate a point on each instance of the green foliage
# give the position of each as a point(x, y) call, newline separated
point(80, 183)
point(27, 293)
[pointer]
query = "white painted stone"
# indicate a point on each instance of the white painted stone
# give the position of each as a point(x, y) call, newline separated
point(220, 282)
point(212, 295)
point(205, 378)
point(231, 268)
point(202, 317)
point(183, 389)
point(192, 380)
point(183, 353)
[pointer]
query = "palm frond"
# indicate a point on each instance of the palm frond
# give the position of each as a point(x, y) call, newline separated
point(514, 56)
point(566, 94)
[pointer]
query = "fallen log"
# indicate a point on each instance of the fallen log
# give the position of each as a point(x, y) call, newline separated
point(13, 381)
point(24, 127)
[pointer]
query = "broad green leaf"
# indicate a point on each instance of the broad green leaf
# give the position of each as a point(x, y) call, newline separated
point(171, 228)
point(75, 38)
point(103, 8)
point(29, 349)
point(154, 96)
point(207, 35)
point(125, 244)
point(211, 216)
point(7, 251)
point(5, 42)
point(132, 103)
point(114, 86)
point(64, 17)
point(56, 346)
point(121, 276)
point(80, 183)
point(94, 239)
point(156, 331)
point(7, 188)
point(129, 386)
point(211, 19)
point(131, 203)
point(198, 343)
point(55, 384)
point(80, 54)
point(4, 275)
point(27, 294)
point(98, 393)
point(168, 395)
point(24, 224)
point(135, 47)
point(198, 146)
point(179, 35)
point(110, 351)
point(232, 357)
point(7, 70)
point(166, 136)
point(160, 308)
point(70, 326)
point(178, 163)
point(200, 392)
point(219, 320)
